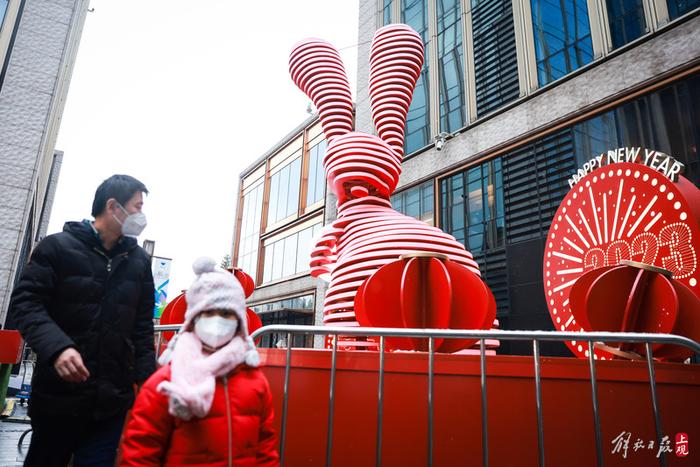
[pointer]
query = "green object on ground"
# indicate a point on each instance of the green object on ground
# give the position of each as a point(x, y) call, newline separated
point(5, 370)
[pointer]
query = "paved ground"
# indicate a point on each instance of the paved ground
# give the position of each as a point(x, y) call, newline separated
point(11, 429)
point(13, 426)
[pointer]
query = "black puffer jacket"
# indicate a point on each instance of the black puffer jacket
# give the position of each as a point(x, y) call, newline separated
point(73, 293)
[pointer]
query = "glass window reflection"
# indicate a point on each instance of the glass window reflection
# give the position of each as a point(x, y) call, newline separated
point(250, 230)
point(290, 255)
point(479, 222)
point(562, 37)
point(284, 192)
point(626, 18)
point(316, 188)
point(294, 311)
point(450, 60)
point(416, 202)
point(386, 12)
point(415, 14)
point(677, 8)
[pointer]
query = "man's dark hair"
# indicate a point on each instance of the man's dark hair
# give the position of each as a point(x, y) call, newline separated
point(120, 187)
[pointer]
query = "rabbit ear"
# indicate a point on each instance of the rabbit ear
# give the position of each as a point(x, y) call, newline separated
point(396, 59)
point(316, 68)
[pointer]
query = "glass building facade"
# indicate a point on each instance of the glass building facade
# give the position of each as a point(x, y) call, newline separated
point(284, 192)
point(290, 255)
point(281, 210)
point(296, 310)
point(316, 187)
point(501, 209)
point(562, 37)
point(495, 60)
point(626, 19)
point(250, 230)
point(481, 55)
point(450, 65)
point(415, 14)
point(678, 8)
point(416, 202)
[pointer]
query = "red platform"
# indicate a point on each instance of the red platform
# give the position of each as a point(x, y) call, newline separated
point(623, 395)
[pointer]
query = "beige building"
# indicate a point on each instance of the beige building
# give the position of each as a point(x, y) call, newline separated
point(281, 207)
point(38, 45)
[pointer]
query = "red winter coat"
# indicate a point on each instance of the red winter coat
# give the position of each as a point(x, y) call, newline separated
point(237, 431)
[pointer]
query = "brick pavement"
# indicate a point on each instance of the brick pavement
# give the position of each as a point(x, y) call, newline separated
point(10, 431)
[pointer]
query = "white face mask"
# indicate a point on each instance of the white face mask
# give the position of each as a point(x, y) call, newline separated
point(215, 331)
point(134, 224)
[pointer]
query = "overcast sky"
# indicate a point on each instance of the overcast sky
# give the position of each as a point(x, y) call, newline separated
point(184, 95)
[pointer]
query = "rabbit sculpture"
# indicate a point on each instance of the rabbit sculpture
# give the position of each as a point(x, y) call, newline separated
point(363, 169)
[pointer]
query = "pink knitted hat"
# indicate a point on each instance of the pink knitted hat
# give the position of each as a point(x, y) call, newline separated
point(215, 289)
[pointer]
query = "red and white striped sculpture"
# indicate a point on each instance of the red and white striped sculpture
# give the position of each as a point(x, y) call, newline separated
point(363, 171)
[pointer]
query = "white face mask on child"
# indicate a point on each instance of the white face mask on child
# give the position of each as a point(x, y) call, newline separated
point(215, 331)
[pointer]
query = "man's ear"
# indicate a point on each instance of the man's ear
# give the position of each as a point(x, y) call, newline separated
point(111, 206)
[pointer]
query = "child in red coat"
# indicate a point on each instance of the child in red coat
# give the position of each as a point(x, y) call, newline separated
point(210, 405)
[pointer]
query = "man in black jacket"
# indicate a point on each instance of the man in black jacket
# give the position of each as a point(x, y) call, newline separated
point(84, 304)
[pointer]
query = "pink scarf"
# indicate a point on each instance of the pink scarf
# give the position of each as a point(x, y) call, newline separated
point(193, 374)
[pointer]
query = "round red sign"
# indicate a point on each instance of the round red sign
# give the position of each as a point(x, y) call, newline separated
point(621, 211)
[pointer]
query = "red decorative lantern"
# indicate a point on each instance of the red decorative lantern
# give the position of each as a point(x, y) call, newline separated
point(637, 297)
point(174, 312)
point(423, 290)
point(246, 281)
point(248, 285)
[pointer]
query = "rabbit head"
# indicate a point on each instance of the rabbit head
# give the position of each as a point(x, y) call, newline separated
point(360, 164)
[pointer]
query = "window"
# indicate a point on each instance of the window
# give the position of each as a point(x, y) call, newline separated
point(248, 244)
point(562, 37)
point(289, 255)
point(284, 192)
point(450, 60)
point(3, 10)
point(415, 14)
point(667, 120)
point(416, 202)
point(386, 12)
point(316, 188)
point(495, 60)
point(626, 18)
point(297, 311)
point(472, 207)
point(677, 8)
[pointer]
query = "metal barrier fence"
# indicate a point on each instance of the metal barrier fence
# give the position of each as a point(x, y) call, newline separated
point(431, 334)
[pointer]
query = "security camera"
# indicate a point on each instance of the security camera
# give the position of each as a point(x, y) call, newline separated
point(440, 140)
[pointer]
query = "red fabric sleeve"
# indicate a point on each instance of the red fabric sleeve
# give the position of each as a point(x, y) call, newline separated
point(147, 434)
point(267, 446)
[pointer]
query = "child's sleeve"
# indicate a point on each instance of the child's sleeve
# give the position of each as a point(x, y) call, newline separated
point(147, 433)
point(267, 446)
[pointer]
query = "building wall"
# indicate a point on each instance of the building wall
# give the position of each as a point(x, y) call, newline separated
point(670, 51)
point(524, 145)
point(41, 39)
point(520, 122)
point(281, 206)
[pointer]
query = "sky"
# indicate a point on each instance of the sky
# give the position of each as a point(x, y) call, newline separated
point(184, 96)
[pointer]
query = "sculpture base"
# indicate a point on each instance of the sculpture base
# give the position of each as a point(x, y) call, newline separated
point(623, 395)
